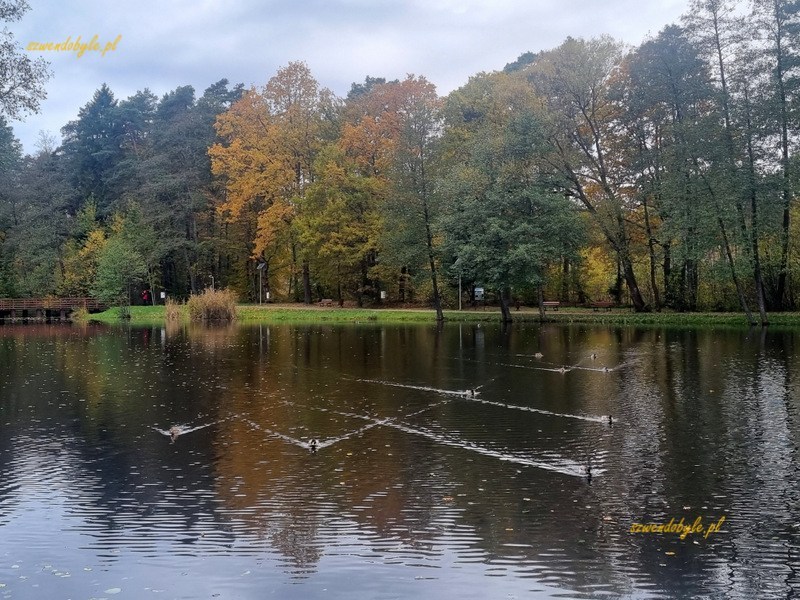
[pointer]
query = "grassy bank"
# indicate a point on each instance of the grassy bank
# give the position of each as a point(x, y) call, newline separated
point(247, 313)
point(140, 315)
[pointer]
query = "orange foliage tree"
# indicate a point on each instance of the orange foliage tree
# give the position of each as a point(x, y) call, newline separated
point(270, 139)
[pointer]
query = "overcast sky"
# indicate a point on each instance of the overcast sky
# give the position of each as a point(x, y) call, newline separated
point(168, 43)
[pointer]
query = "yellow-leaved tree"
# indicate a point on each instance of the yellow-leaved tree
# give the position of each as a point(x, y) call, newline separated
point(269, 142)
point(340, 223)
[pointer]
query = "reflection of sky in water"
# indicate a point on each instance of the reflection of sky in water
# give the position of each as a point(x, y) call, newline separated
point(164, 554)
point(417, 487)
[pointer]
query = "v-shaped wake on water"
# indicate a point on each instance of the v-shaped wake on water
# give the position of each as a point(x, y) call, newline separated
point(557, 464)
point(473, 396)
point(178, 430)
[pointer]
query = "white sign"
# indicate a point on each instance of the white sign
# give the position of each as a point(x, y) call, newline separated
point(163, 295)
point(478, 293)
point(383, 294)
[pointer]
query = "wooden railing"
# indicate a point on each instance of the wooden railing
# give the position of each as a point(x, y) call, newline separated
point(89, 304)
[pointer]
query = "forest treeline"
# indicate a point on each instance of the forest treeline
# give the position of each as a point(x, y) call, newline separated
point(661, 176)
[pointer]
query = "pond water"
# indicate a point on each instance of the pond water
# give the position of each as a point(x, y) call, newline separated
point(175, 463)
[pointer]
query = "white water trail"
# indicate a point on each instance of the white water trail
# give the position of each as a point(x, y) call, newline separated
point(562, 465)
point(424, 388)
point(465, 395)
point(178, 430)
point(271, 432)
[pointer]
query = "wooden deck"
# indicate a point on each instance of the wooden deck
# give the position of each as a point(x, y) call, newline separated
point(45, 308)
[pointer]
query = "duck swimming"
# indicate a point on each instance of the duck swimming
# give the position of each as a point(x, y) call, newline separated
point(538, 355)
point(174, 432)
point(313, 444)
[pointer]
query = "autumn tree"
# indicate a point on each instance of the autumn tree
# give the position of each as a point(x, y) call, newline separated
point(270, 141)
point(370, 134)
point(573, 81)
point(340, 223)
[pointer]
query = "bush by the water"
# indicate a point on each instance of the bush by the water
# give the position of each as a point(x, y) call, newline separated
point(172, 310)
point(212, 306)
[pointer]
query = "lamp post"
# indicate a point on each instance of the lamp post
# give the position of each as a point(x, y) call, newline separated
point(260, 268)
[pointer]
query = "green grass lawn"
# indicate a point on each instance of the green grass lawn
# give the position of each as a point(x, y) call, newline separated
point(248, 313)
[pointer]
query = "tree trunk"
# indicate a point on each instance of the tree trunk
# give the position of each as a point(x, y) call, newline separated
point(759, 281)
point(639, 304)
point(339, 284)
point(192, 279)
point(739, 291)
point(729, 254)
point(630, 279)
point(783, 112)
point(294, 289)
point(754, 226)
point(540, 291)
point(401, 285)
point(652, 252)
point(669, 287)
point(564, 280)
point(151, 282)
point(437, 300)
point(306, 283)
point(505, 310)
point(692, 282)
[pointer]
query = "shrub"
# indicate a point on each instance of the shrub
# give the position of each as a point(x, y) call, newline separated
point(172, 310)
point(212, 306)
point(80, 315)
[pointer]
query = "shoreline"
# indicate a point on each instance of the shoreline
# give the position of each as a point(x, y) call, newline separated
point(300, 313)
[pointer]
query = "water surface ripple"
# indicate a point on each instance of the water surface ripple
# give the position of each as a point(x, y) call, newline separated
point(448, 463)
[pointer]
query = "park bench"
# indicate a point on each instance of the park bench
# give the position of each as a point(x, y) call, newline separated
point(326, 302)
point(596, 306)
point(551, 304)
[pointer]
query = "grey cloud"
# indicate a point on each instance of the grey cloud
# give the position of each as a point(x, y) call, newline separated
point(197, 42)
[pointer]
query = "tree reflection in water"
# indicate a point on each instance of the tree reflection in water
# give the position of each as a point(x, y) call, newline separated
point(417, 486)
